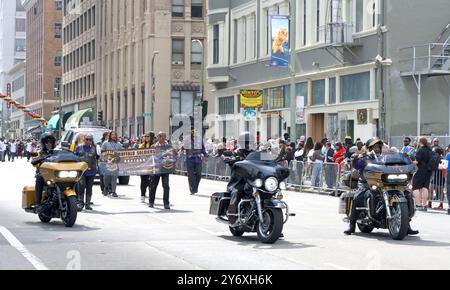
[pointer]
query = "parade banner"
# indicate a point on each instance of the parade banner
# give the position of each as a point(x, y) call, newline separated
point(251, 99)
point(25, 109)
point(300, 110)
point(137, 162)
point(279, 31)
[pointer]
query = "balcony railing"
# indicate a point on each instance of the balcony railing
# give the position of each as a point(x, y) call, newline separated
point(427, 59)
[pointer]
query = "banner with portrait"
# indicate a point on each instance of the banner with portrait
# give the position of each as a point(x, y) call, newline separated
point(280, 43)
point(137, 162)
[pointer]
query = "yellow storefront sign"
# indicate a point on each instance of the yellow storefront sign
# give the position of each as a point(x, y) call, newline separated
point(251, 99)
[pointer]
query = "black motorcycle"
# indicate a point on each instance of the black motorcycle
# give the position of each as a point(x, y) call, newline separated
point(261, 208)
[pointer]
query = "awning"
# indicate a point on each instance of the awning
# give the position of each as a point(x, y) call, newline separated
point(83, 117)
point(34, 129)
point(53, 123)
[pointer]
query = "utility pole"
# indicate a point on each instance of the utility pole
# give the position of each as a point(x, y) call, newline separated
point(153, 91)
point(293, 60)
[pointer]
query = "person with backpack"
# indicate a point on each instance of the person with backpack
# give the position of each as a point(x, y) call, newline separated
point(421, 180)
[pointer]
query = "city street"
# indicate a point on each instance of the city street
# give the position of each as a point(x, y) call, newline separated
point(123, 233)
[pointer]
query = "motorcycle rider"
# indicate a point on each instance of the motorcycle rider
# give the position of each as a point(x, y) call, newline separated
point(374, 149)
point(237, 183)
point(48, 144)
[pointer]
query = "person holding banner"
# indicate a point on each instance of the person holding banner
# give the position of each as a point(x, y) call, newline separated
point(110, 178)
point(88, 154)
point(162, 147)
point(146, 180)
point(191, 148)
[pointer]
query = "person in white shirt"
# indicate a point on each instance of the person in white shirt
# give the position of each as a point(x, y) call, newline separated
point(2, 150)
point(13, 150)
point(29, 150)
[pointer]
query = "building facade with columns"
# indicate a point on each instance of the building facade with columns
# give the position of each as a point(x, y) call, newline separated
point(79, 50)
point(132, 37)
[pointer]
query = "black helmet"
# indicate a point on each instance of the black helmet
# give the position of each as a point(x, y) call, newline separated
point(372, 142)
point(48, 137)
point(247, 141)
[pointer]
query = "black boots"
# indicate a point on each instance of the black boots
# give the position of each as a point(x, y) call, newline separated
point(411, 232)
point(351, 230)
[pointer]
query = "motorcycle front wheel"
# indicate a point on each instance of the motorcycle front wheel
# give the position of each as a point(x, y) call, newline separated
point(398, 225)
point(69, 216)
point(270, 229)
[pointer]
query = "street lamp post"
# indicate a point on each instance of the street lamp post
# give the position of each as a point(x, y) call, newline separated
point(200, 100)
point(153, 90)
point(293, 93)
point(58, 94)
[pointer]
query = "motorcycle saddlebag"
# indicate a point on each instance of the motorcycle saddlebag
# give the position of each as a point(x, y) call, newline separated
point(219, 203)
point(28, 197)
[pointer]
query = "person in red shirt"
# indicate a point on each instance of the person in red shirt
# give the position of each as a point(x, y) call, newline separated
point(339, 153)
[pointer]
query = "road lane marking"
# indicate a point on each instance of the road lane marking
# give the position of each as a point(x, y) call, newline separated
point(336, 266)
point(158, 218)
point(13, 241)
point(211, 232)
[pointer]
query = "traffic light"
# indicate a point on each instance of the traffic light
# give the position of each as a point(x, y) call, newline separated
point(100, 117)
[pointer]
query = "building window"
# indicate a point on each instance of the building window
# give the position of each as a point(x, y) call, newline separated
point(275, 98)
point(355, 87)
point(58, 30)
point(57, 86)
point(58, 5)
point(19, 6)
point(196, 53)
point(216, 44)
point(332, 85)
point(318, 97)
point(58, 57)
point(20, 24)
point(197, 8)
point(183, 103)
point(359, 17)
point(178, 51)
point(226, 105)
point(18, 84)
point(20, 45)
point(177, 8)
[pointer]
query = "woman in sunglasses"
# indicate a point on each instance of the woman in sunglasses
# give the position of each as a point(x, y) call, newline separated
point(87, 153)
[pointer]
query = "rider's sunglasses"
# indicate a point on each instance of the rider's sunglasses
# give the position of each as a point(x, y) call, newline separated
point(88, 139)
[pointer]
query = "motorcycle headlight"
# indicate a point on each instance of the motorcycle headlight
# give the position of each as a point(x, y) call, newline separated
point(271, 184)
point(397, 177)
point(283, 185)
point(67, 174)
point(258, 183)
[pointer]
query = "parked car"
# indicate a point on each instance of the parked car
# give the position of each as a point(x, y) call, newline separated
point(70, 137)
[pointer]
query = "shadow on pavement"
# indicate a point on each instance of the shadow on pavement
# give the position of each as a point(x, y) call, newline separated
point(252, 239)
point(58, 226)
point(409, 240)
point(99, 212)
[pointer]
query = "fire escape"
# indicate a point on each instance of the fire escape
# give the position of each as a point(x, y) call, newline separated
point(339, 41)
point(426, 61)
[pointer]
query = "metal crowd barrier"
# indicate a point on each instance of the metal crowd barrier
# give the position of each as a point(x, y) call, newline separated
point(322, 177)
point(438, 191)
point(317, 177)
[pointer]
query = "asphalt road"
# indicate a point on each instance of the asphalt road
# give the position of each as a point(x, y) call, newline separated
point(123, 233)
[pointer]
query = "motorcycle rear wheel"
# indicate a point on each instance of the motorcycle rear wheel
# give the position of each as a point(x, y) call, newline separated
point(69, 217)
point(365, 228)
point(44, 218)
point(236, 233)
point(270, 230)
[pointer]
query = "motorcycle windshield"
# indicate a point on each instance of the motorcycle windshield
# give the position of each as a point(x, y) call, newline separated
point(63, 156)
point(391, 163)
point(261, 165)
